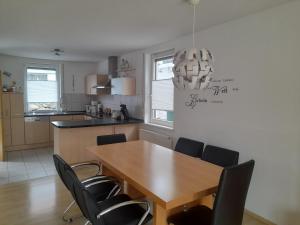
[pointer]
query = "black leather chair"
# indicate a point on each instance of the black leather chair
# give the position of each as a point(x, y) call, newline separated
point(117, 210)
point(101, 187)
point(220, 156)
point(189, 147)
point(111, 139)
point(229, 205)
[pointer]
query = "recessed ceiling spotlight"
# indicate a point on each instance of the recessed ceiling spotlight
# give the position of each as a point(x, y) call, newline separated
point(57, 51)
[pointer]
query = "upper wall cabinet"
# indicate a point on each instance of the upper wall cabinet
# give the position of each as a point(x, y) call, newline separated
point(97, 84)
point(123, 86)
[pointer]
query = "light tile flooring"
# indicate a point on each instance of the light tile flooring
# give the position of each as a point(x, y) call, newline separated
point(26, 165)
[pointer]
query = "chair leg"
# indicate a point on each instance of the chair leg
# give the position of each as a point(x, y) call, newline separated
point(87, 223)
point(69, 220)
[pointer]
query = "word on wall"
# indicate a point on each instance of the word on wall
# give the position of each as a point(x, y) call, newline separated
point(214, 93)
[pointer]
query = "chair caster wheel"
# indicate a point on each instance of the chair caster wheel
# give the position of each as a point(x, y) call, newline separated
point(70, 220)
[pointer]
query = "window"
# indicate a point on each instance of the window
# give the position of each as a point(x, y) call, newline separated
point(42, 89)
point(162, 90)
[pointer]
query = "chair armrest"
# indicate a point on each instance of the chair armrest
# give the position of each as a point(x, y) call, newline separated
point(132, 202)
point(97, 177)
point(88, 164)
point(98, 182)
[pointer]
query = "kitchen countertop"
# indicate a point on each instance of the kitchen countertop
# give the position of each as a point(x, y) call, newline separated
point(32, 114)
point(94, 122)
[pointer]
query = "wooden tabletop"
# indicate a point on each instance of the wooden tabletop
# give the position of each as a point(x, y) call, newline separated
point(169, 178)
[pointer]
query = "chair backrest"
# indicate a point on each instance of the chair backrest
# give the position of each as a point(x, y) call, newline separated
point(91, 206)
point(231, 196)
point(101, 190)
point(220, 156)
point(111, 139)
point(61, 167)
point(77, 192)
point(189, 147)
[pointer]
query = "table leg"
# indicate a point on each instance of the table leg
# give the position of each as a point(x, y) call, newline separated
point(207, 201)
point(160, 215)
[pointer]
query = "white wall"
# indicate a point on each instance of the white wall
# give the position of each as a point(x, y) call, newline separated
point(261, 121)
point(16, 65)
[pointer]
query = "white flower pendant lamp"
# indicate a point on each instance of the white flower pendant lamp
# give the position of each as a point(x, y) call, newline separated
point(192, 68)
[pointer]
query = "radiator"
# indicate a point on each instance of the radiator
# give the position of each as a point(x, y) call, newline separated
point(156, 138)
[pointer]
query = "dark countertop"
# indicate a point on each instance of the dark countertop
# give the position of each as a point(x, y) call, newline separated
point(94, 122)
point(32, 114)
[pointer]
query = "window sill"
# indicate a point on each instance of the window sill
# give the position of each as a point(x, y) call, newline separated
point(160, 126)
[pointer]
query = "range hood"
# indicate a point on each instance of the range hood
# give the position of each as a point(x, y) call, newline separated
point(113, 66)
point(98, 84)
point(103, 85)
point(112, 73)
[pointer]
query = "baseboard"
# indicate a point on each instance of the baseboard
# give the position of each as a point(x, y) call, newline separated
point(26, 147)
point(259, 218)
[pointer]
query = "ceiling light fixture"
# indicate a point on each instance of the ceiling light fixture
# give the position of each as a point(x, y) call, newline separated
point(192, 68)
point(57, 51)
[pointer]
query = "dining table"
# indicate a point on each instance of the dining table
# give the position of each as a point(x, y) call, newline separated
point(168, 178)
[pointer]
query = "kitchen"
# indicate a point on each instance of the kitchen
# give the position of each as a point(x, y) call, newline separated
point(232, 81)
point(28, 127)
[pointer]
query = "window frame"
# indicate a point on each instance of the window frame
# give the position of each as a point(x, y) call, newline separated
point(154, 58)
point(58, 77)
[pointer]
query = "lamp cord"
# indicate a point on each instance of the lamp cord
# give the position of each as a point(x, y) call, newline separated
point(194, 22)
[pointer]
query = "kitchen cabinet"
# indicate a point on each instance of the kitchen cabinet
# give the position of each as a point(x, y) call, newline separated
point(17, 105)
point(6, 119)
point(36, 130)
point(17, 131)
point(88, 118)
point(6, 132)
point(130, 131)
point(13, 119)
point(57, 118)
point(6, 105)
point(123, 86)
point(91, 81)
point(71, 143)
point(78, 117)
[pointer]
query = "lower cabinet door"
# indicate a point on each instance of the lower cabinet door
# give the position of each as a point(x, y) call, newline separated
point(6, 132)
point(17, 131)
point(36, 130)
point(130, 131)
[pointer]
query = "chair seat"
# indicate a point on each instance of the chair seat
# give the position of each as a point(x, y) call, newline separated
point(126, 215)
point(198, 215)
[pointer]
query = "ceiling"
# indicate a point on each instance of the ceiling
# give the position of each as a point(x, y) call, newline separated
point(90, 30)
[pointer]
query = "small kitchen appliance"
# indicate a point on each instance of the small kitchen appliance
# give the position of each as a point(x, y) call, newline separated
point(88, 108)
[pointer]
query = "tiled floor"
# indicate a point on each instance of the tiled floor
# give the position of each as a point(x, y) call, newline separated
point(26, 165)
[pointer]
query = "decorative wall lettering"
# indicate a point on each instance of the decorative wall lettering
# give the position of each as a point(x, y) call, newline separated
point(218, 88)
point(193, 100)
point(216, 101)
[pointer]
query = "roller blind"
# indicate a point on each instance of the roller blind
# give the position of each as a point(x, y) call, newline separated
point(42, 85)
point(162, 95)
point(162, 86)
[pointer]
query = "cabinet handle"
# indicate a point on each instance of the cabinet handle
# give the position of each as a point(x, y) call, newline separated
point(73, 83)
